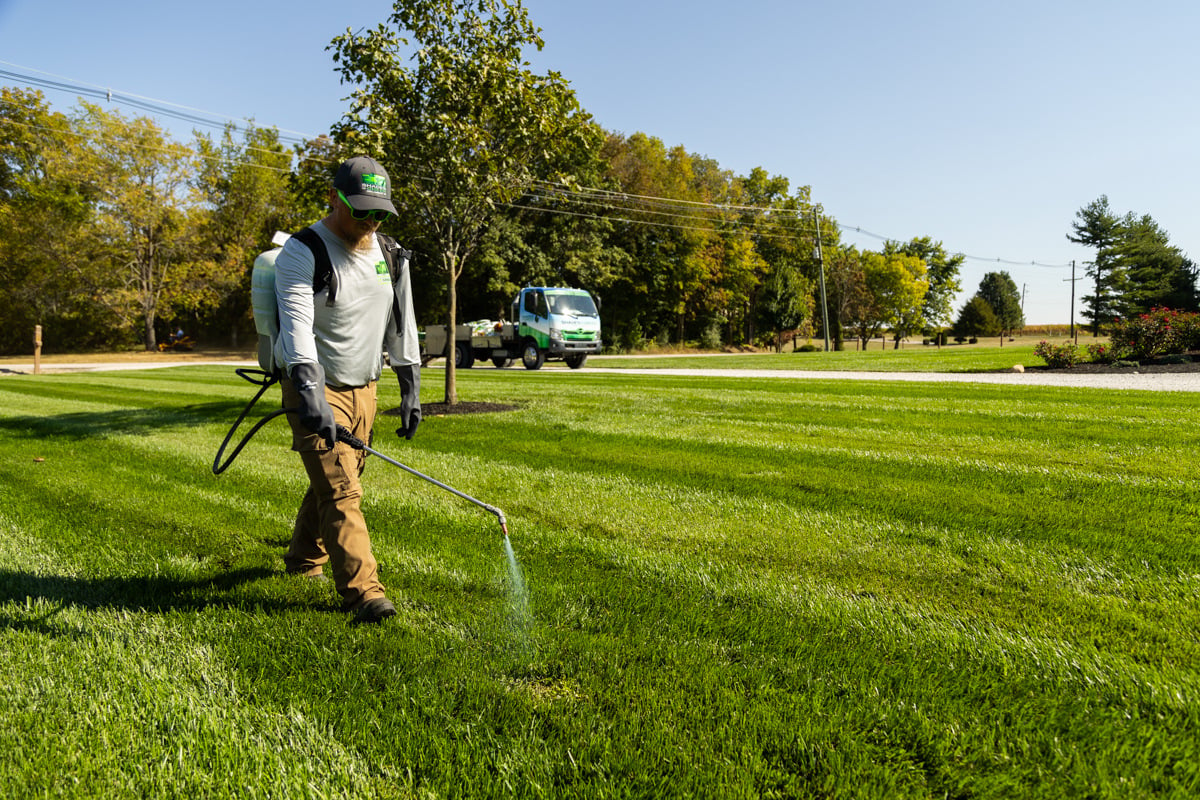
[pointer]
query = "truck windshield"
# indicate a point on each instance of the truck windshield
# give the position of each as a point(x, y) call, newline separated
point(579, 305)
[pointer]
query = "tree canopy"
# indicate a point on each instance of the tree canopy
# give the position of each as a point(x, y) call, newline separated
point(1135, 268)
point(1000, 292)
point(465, 125)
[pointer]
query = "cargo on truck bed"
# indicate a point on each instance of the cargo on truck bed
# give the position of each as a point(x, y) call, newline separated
point(548, 323)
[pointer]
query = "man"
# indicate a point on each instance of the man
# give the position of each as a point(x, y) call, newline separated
point(330, 348)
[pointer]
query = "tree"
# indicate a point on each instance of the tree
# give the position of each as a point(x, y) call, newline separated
point(141, 227)
point(1097, 226)
point(1001, 293)
point(43, 216)
point(1157, 275)
point(904, 291)
point(846, 288)
point(784, 236)
point(467, 124)
point(974, 320)
point(245, 188)
point(942, 273)
point(895, 288)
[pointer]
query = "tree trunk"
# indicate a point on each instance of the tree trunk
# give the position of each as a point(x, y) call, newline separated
point(451, 334)
point(148, 332)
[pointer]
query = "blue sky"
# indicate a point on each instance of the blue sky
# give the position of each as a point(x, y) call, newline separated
point(985, 126)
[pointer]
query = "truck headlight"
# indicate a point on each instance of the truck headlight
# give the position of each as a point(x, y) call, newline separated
point(556, 333)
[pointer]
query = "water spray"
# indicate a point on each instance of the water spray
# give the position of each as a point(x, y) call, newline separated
point(358, 444)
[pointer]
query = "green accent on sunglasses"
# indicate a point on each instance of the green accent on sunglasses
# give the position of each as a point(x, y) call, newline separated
point(378, 214)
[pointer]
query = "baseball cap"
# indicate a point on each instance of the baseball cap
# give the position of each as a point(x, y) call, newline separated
point(365, 184)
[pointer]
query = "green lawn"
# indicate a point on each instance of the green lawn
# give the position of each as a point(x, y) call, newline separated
point(910, 358)
point(735, 588)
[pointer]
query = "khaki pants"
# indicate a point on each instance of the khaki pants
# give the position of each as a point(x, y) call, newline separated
point(329, 525)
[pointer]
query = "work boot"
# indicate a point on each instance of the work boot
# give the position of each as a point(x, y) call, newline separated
point(376, 610)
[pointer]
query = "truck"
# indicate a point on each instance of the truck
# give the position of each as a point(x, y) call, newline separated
point(547, 323)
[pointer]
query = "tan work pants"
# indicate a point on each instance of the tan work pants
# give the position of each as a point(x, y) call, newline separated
point(329, 525)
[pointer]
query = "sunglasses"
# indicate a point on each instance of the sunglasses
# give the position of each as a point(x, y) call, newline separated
point(378, 215)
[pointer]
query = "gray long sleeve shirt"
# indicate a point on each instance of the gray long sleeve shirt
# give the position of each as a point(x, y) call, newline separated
point(347, 339)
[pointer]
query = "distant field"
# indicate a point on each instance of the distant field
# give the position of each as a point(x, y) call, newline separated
point(735, 588)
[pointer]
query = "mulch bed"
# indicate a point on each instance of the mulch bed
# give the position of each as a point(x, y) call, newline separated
point(1147, 367)
point(461, 407)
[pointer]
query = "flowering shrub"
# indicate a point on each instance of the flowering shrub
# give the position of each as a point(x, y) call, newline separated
point(1160, 332)
point(1101, 353)
point(1057, 356)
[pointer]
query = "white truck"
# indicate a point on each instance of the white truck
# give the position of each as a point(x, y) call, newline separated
point(548, 322)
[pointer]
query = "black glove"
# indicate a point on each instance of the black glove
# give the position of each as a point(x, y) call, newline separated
point(410, 399)
point(315, 413)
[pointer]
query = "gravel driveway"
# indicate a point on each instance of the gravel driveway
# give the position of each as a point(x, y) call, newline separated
point(1153, 381)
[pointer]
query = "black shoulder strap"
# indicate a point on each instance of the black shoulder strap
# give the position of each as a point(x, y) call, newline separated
point(323, 274)
point(395, 256)
point(391, 253)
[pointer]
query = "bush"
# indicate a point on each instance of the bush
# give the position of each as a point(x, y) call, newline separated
point(1160, 332)
point(1057, 356)
point(1101, 353)
point(710, 337)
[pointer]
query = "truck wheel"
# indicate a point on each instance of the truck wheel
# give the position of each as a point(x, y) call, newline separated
point(463, 357)
point(502, 361)
point(532, 356)
point(575, 362)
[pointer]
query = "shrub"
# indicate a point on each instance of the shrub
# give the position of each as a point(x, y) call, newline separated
point(710, 337)
point(1057, 356)
point(1101, 353)
point(1160, 332)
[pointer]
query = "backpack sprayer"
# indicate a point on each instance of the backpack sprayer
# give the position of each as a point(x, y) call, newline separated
point(266, 321)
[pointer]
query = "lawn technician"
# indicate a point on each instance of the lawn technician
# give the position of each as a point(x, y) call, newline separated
point(330, 350)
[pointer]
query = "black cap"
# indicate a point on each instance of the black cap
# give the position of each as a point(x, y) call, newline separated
point(365, 184)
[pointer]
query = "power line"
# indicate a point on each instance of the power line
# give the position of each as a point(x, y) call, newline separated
point(585, 197)
point(595, 197)
point(209, 119)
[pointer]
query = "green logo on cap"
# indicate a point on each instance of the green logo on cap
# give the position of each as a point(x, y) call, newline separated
point(374, 183)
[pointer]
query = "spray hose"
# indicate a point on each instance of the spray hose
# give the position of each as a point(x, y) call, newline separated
point(266, 380)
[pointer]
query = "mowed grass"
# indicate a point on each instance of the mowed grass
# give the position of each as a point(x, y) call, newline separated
point(988, 356)
point(736, 588)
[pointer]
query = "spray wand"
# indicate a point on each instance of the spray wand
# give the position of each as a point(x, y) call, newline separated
point(358, 444)
point(266, 380)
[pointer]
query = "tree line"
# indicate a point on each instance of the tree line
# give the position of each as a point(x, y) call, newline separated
point(111, 232)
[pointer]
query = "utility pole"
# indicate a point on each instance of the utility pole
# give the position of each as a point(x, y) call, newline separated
point(821, 265)
point(1074, 334)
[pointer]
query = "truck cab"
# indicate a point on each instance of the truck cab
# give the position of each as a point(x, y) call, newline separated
point(556, 322)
